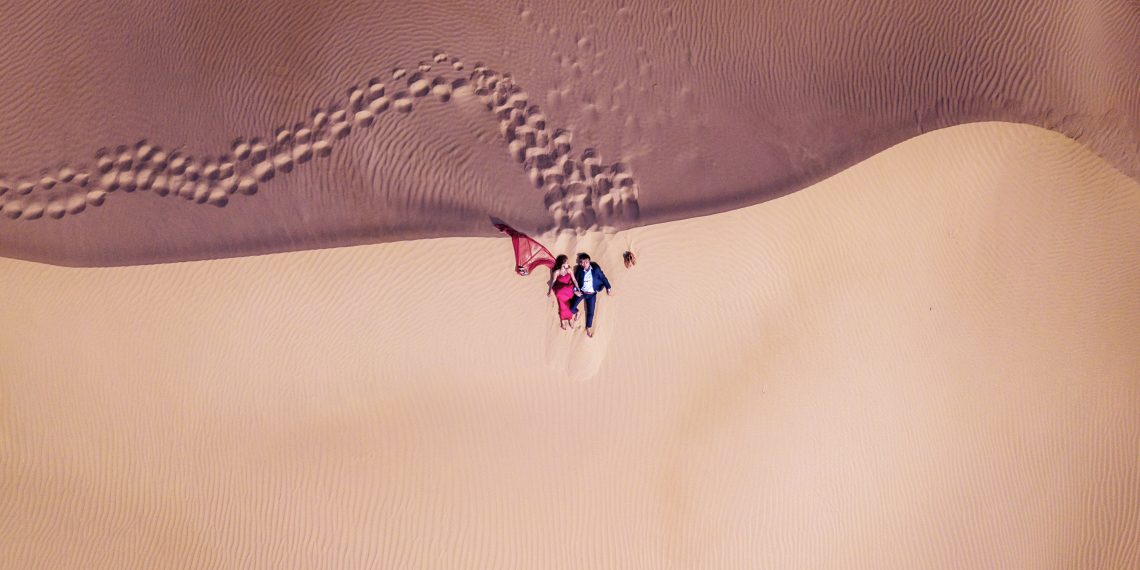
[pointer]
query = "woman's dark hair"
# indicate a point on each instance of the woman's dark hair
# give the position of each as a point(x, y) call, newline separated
point(558, 263)
point(582, 256)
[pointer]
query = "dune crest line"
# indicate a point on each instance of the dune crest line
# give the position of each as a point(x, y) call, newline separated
point(579, 192)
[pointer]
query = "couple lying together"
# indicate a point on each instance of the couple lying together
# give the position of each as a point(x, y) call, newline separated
point(572, 286)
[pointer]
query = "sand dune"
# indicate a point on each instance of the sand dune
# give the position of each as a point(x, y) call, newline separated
point(354, 122)
point(926, 361)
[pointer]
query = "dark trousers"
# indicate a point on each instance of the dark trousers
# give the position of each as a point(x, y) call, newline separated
point(591, 299)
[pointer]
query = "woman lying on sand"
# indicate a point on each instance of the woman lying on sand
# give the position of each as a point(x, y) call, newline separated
point(563, 286)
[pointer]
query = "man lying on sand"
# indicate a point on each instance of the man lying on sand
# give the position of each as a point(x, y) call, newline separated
point(590, 279)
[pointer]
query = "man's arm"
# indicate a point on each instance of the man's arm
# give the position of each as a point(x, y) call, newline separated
point(605, 280)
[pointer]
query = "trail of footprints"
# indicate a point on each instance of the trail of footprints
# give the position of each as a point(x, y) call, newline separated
point(580, 191)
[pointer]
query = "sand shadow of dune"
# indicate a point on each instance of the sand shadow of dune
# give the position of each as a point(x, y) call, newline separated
point(716, 106)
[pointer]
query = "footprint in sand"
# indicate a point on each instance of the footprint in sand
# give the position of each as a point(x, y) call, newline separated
point(579, 191)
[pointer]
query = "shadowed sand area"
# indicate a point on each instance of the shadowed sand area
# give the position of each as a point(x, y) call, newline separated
point(926, 361)
point(141, 132)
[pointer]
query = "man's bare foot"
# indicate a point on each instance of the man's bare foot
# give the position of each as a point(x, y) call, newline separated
point(590, 333)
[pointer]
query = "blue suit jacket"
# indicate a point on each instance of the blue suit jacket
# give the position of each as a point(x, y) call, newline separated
point(600, 281)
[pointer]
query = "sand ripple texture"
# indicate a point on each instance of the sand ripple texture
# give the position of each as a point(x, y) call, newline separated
point(854, 376)
point(205, 131)
point(579, 190)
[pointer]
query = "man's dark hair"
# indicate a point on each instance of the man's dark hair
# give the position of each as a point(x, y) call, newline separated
point(582, 256)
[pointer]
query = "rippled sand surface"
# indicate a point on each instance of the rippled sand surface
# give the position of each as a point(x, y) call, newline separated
point(926, 361)
point(142, 132)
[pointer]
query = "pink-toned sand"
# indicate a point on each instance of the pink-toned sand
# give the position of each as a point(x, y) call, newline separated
point(926, 361)
point(886, 311)
point(135, 132)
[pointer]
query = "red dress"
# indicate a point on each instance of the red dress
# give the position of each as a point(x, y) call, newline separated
point(564, 291)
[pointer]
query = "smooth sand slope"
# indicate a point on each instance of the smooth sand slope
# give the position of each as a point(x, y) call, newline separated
point(927, 361)
point(140, 132)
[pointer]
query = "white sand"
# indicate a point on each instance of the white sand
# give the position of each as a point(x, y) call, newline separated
point(927, 361)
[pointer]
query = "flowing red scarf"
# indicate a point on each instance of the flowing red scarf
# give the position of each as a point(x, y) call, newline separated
point(528, 252)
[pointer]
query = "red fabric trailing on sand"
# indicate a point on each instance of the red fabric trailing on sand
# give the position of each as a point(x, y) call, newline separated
point(528, 252)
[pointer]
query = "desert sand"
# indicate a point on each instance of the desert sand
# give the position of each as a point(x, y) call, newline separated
point(255, 316)
point(141, 132)
point(928, 360)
